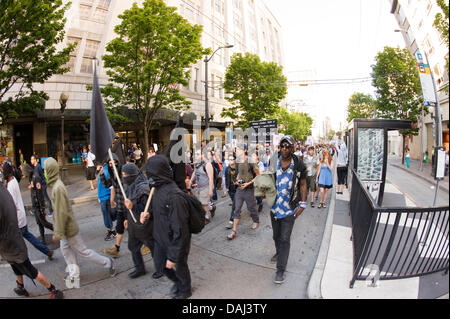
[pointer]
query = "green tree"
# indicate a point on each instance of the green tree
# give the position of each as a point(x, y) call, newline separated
point(398, 89)
point(441, 24)
point(29, 33)
point(331, 134)
point(296, 124)
point(360, 105)
point(256, 89)
point(153, 50)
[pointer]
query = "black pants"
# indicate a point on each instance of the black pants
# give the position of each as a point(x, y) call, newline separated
point(42, 223)
point(135, 245)
point(181, 275)
point(282, 229)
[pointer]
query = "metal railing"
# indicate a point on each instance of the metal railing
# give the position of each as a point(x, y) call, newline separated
point(396, 242)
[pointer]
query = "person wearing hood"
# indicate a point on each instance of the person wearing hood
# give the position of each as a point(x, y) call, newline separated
point(14, 190)
point(137, 191)
point(65, 226)
point(170, 213)
point(14, 250)
point(37, 199)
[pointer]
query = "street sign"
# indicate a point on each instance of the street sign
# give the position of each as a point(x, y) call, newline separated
point(265, 127)
point(426, 80)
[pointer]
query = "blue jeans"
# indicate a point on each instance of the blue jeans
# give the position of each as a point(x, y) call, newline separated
point(407, 161)
point(33, 240)
point(106, 211)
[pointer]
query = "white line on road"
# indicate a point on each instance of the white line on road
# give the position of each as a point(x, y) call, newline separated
point(40, 261)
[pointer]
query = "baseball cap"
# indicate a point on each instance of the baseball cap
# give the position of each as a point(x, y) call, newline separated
point(287, 138)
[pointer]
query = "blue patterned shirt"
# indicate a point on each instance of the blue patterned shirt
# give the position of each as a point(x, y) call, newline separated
point(281, 208)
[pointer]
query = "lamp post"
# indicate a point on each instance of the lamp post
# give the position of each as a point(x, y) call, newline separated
point(63, 102)
point(207, 59)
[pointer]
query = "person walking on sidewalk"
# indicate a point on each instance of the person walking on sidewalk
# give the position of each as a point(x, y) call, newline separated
point(407, 156)
point(37, 200)
point(247, 172)
point(311, 161)
point(137, 192)
point(13, 188)
point(116, 202)
point(325, 177)
point(171, 227)
point(341, 162)
point(90, 175)
point(202, 182)
point(14, 250)
point(38, 171)
point(104, 197)
point(65, 226)
point(290, 202)
point(230, 184)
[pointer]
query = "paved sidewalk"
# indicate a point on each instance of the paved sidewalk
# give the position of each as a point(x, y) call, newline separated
point(333, 270)
point(425, 173)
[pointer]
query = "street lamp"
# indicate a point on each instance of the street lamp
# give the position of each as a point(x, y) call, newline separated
point(63, 102)
point(207, 118)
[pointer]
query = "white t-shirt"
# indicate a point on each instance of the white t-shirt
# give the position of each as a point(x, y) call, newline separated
point(90, 158)
point(14, 190)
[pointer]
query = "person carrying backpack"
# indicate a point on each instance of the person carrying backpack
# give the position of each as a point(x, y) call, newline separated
point(171, 228)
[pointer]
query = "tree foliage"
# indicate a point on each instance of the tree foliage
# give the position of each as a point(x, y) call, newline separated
point(29, 34)
point(154, 49)
point(360, 105)
point(398, 88)
point(296, 124)
point(256, 89)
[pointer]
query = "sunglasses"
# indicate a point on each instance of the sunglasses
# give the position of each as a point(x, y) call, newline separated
point(285, 145)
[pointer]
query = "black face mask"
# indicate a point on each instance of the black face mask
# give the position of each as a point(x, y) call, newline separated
point(129, 179)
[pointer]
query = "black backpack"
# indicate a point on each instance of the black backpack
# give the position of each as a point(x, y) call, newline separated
point(196, 212)
point(17, 172)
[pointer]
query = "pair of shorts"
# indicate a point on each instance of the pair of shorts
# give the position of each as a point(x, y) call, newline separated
point(90, 175)
point(311, 183)
point(202, 195)
point(25, 268)
point(342, 174)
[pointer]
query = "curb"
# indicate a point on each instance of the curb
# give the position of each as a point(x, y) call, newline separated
point(422, 177)
point(314, 290)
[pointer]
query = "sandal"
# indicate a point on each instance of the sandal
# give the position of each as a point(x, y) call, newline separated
point(232, 235)
point(320, 205)
point(324, 206)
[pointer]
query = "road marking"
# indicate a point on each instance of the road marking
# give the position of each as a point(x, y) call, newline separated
point(403, 192)
point(40, 261)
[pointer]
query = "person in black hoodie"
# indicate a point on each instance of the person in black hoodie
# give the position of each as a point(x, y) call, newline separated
point(37, 200)
point(14, 250)
point(137, 191)
point(171, 227)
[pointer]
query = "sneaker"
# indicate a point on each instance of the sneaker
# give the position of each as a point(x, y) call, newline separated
point(279, 277)
point(112, 268)
point(312, 204)
point(21, 291)
point(50, 214)
point(232, 235)
point(31, 212)
point(255, 226)
point(56, 294)
point(50, 254)
point(109, 236)
point(113, 252)
point(145, 250)
point(229, 225)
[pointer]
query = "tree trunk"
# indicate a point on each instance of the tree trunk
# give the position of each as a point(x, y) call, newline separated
point(145, 146)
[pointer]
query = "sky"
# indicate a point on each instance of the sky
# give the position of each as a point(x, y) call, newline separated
point(334, 39)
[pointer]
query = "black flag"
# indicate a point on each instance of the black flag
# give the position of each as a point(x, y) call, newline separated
point(102, 133)
point(179, 169)
point(117, 148)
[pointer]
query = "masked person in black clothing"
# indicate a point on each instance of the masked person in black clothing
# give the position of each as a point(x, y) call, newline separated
point(37, 200)
point(171, 227)
point(137, 191)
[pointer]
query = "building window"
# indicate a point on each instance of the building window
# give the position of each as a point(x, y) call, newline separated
point(74, 53)
point(100, 15)
point(211, 85)
point(90, 52)
point(220, 87)
point(219, 6)
point(196, 71)
point(104, 4)
point(85, 11)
